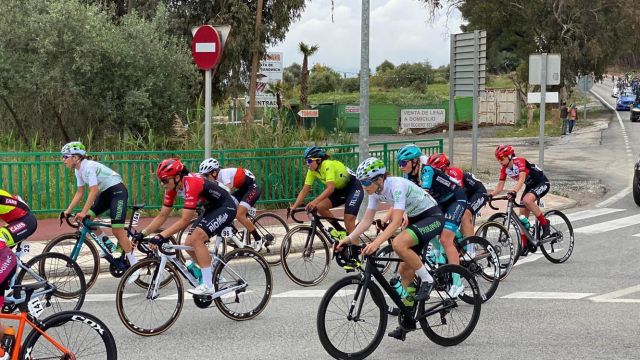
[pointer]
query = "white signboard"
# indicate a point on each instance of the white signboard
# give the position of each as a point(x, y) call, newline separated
point(352, 109)
point(535, 97)
point(421, 118)
point(263, 99)
point(271, 67)
point(553, 69)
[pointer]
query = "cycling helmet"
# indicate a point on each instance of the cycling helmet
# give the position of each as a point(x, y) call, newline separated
point(438, 161)
point(209, 165)
point(169, 167)
point(370, 168)
point(409, 152)
point(349, 257)
point(73, 148)
point(503, 151)
point(314, 152)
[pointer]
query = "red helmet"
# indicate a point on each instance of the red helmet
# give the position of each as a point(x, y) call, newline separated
point(169, 167)
point(503, 151)
point(438, 161)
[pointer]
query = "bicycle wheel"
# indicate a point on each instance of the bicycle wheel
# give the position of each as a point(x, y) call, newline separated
point(149, 311)
point(272, 228)
point(305, 260)
point(384, 265)
point(513, 231)
point(243, 266)
point(88, 258)
point(559, 249)
point(341, 334)
point(480, 258)
point(83, 334)
point(443, 318)
point(63, 273)
point(498, 236)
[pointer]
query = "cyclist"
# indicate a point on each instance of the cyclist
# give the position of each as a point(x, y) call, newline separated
point(536, 185)
point(342, 188)
point(8, 264)
point(219, 212)
point(106, 192)
point(446, 191)
point(423, 222)
point(474, 190)
point(246, 192)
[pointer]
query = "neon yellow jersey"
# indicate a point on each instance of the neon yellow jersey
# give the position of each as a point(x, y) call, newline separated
point(330, 171)
point(12, 207)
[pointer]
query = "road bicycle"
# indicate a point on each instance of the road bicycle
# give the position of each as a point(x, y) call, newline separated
point(271, 227)
point(505, 247)
point(88, 253)
point(64, 335)
point(557, 247)
point(305, 250)
point(64, 286)
point(353, 313)
point(150, 303)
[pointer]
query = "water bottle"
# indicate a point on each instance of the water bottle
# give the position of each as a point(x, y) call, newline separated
point(105, 240)
point(397, 286)
point(525, 221)
point(8, 339)
point(194, 270)
point(411, 295)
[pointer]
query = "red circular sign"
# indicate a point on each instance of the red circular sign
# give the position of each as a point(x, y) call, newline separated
point(206, 47)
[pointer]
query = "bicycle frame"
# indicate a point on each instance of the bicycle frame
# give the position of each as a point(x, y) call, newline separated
point(23, 319)
point(21, 266)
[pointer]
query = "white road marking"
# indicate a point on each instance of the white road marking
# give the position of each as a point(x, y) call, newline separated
point(609, 225)
point(300, 294)
point(614, 296)
point(528, 259)
point(547, 295)
point(586, 214)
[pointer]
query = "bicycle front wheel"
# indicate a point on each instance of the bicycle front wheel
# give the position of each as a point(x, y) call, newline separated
point(343, 334)
point(498, 236)
point(479, 257)
point(559, 246)
point(443, 317)
point(305, 259)
point(154, 309)
point(248, 269)
point(272, 229)
point(513, 229)
point(88, 258)
point(60, 271)
point(82, 334)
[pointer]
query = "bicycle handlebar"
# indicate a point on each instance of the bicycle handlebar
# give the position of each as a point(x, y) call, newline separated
point(85, 222)
point(512, 199)
point(313, 213)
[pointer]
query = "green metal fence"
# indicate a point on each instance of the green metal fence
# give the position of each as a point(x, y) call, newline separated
point(43, 181)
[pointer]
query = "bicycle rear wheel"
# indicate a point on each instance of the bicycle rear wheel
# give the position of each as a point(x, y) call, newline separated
point(480, 258)
point(444, 318)
point(560, 247)
point(63, 273)
point(513, 231)
point(305, 260)
point(147, 311)
point(343, 336)
point(83, 334)
point(498, 236)
point(88, 258)
point(243, 266)
point(272, 228)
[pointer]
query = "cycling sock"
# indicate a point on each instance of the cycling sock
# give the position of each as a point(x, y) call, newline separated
point(336, 225)
point(523, 238)
point(132, 259)
point(255, 235)
point(543, 220)
point(424, 275)
point(207, 276)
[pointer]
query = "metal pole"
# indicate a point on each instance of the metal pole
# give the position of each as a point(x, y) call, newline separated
point(476, 76)
point(452, 103)
point(207, 113)
point(543, 94)
point(363, 137)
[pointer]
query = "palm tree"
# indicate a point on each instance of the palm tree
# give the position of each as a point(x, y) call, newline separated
point(276, 89)
point(306, 51)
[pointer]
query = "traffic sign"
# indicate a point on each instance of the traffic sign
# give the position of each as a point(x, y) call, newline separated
point(308, 113)
point(206, 47)
point(585, 83)
point(536, 97)
point(553, 69)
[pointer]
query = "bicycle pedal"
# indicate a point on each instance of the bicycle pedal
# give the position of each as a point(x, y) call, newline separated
point(393, 311)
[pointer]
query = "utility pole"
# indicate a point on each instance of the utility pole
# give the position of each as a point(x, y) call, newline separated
point(363, 137)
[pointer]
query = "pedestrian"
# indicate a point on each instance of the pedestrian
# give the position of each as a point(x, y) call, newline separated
point(564, 114)
point(573, 116)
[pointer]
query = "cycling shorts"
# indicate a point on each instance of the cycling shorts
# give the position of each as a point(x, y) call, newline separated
point(350, 196)
point(475, 202)
point(213, 220)
point(113, 199)
point(539, 190)
point(453, 210)
point(424, 227)
point(19, 229)
point(8, 263)
point(248, 195)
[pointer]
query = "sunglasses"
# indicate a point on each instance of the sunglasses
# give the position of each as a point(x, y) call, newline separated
point(165, 180)
point(65, 157)
point(310, 160)
point(403, 163)
point(367, 182)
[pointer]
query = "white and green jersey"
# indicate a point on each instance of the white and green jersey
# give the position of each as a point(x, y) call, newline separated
point(93, 173)
point(404, 195)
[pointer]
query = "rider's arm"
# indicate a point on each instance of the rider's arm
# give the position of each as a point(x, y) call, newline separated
point(363, 225)
point(396, 221)
point(303, 193)
point(76, 199)
point(498, 189)
point(182, 223)
point(521, 178)
point(93, 194)
point(158, 220)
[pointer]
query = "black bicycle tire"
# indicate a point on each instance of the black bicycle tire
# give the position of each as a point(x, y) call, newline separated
point(376, 296)
point(284, 254)
point(93, 277)
point(280, 220)
point(481, 232)
point(485, 295)
point(517, 241)
point(55, 320)
point(571, 240)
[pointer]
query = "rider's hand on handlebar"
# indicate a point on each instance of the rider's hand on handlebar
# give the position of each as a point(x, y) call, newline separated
point(311, 206)
point(511, 195)
point(79, 218)
point(137, 237)
point(156, 241)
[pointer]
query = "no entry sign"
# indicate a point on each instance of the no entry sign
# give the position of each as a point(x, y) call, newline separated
point(206, 47)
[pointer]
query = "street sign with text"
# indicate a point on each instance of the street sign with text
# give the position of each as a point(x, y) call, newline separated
point(310, 113)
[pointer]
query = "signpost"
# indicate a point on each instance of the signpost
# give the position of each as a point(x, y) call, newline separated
point(585, 83)
point(206, 48)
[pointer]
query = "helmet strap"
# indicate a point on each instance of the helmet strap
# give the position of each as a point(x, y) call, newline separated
point(414, 166)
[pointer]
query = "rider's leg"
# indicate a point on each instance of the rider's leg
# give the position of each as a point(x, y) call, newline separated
point(405, 245)
point(466, 225)
point(324, 210)
point(200, 254)
point(530, 201)
point(523, 237)
point(241, 215)
point(447, 237)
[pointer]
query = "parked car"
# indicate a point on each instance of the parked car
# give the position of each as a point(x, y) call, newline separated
point(635, 112)
point(636, 183)
point(625, 101)
point(615, 91)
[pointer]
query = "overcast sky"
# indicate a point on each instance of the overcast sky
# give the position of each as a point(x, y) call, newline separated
point(400, 32)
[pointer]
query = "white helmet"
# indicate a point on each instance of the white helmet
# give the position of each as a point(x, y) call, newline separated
point(370, 169)
point(73, 148)
point(209, 165)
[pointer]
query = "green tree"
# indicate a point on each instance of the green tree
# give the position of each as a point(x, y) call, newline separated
point(323, 79)
point(416, 75)
point(306, 51)
point(385, 66)
point(277, 89)
point(350, 85)
point(291, 74)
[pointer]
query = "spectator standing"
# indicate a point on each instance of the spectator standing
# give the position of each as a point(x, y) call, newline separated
point(564, 114)
point(573, 116)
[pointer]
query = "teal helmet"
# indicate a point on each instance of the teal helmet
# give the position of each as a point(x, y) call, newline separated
point(409, 152)
point(73, 148)
point(314, 152)
point(370, 169)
